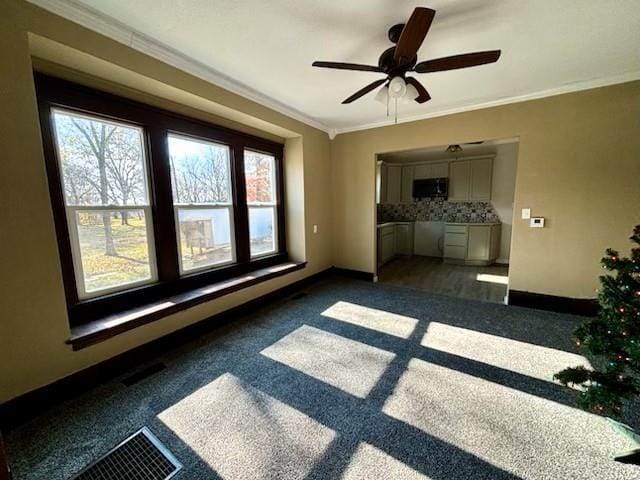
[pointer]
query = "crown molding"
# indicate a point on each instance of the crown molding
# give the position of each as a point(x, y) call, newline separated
point(115, 30)
point(568, 88)
point(109, 27)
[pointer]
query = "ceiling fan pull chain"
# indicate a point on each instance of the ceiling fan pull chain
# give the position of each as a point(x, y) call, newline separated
point(396, 111)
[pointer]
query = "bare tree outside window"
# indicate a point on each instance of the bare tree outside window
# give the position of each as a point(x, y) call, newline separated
point(103, 165)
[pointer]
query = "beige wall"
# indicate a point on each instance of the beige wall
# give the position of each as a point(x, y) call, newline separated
point(33, 319)
point(578, 166)
point(503, 186)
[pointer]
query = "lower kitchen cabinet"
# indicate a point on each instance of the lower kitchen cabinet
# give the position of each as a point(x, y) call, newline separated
point(394, 239)
point(471, 244)
point(386, 243)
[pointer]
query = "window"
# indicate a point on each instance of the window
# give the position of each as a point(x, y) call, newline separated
point(260, 180)
point(107, 202)
point(148, 203)
point(201, 185)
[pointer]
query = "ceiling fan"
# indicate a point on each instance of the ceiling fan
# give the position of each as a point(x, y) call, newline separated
point(397, 61)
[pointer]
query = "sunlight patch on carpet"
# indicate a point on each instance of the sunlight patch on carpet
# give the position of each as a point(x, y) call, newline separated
point(351, 366)
point(244, 433)
point(368, 459)
point(372, 318)
point(520, 357)
point(501, 425)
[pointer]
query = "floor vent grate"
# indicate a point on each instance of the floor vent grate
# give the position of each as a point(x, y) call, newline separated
point(139, 457)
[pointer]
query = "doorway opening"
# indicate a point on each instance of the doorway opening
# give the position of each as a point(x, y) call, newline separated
point(444, 218)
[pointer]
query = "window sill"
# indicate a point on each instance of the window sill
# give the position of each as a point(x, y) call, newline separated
point(101, 329)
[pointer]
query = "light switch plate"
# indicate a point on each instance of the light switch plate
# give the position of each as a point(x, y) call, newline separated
point(315, 229)
point(536, 222)
point(526, 213)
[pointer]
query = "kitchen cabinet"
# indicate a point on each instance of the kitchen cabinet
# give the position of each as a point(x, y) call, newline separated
point(394, 176)
point(386, 243)
point(431, 170)
point(480, 184)
point(381, 182)
point(478, 243)
point(459, 176)
point(471, 244)
point(440, 170)
point(406, 188)
point(470, 180)
point(394, 239)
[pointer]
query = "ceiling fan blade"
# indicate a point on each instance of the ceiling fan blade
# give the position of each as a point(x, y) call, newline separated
point(423, 95)
point(364, 91)
point(348, 66)
point(458, 61)
point(413, 34)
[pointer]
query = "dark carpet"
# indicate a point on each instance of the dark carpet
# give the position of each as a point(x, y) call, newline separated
point(352, 381)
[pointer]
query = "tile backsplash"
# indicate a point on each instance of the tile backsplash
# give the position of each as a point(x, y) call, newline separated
point(438, 210)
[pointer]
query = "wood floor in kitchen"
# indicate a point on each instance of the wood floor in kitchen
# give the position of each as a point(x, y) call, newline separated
point(431, 274)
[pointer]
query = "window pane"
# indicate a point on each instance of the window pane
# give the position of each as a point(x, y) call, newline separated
point(102, 162)
point(259, 171)
point(114, 248)
point(200, 171)
point(261, 230)
point(205, 237)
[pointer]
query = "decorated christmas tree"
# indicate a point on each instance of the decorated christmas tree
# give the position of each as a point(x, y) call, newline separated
point(612, 337)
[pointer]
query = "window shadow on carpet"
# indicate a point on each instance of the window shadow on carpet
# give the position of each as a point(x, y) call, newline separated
point(352, 379)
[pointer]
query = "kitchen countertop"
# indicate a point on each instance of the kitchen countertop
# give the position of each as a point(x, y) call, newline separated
point(473, 223)
point(387, 224)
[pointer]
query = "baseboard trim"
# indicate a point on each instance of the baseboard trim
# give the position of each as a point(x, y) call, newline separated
point(356, 274)
point(24, 407)
point(577, 306)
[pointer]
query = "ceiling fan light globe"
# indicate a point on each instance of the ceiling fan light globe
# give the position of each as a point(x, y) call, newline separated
point(383, 95)
point(410, 95)
point(397, 87)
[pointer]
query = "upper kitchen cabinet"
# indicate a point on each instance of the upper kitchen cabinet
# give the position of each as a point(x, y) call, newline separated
point(406, 188)
point(481, 173)
point(459, 179)
point(431, 170)
point(393, 182)
point(470, 180)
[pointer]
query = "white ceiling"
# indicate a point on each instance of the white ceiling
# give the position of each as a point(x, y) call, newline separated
point(265, 48)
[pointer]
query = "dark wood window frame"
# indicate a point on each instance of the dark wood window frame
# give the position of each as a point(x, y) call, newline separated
point(157, 125)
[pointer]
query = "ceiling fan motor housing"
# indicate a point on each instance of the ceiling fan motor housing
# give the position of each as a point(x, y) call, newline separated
point(395, 31)
point(390, 66)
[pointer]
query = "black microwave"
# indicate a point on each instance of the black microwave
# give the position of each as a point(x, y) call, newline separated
point(430, 188)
